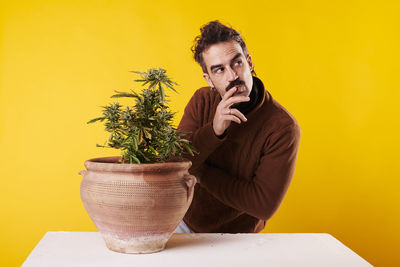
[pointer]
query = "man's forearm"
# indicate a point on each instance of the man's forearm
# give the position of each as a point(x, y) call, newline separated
point(235, 192)
point(262, 195)
point(205, 141)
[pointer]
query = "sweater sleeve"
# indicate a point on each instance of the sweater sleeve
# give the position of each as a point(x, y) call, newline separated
point(262, 196)
point(199, 132)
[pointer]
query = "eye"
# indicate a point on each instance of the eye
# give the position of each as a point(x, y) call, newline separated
point(219, 70)
point(238, 63)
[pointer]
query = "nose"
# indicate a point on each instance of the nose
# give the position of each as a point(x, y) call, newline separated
point(231, 74)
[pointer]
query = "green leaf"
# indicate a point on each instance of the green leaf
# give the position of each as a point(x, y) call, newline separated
point(135, 145)
point(140, 137)
point(136, 159)
point(96, 119)
point(143, 132)
point(188, 148)
point(137, 72)
point(172, 88)
point(161, 89)
point(123, 94)
point(171, 82)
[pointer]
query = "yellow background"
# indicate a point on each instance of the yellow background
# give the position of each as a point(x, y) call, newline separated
point(334, 66)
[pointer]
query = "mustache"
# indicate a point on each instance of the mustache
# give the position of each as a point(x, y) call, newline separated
point(234, 83)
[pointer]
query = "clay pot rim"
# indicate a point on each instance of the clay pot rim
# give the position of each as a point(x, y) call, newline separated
point(111, 164)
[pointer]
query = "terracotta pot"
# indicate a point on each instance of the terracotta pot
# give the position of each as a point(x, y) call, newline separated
point(136, 207)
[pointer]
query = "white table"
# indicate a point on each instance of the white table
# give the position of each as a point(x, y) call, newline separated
point(88, 249)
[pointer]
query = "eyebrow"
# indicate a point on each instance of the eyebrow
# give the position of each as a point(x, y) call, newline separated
point(220, 65)
point(237, 56)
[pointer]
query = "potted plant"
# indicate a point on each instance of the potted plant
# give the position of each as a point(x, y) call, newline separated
point(138, 199)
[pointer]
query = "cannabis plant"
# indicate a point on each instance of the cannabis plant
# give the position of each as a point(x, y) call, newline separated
point(144, 132)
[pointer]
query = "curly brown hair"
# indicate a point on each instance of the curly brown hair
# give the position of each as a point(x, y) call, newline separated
point(212, 33)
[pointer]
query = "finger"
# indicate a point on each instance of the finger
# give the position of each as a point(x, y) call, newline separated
point(238, 114)
point(226, 111)
point(229, 93)
point(232, 118)
point(235, 99)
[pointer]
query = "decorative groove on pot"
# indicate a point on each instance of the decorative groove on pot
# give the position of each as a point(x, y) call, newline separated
point(136, 208)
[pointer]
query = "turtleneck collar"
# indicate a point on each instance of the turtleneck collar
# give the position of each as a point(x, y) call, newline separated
point(256, 95)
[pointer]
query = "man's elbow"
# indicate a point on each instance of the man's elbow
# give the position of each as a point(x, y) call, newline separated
point(267, 210)
point(266, 215)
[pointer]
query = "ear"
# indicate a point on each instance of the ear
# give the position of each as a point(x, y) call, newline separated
point(208, 80)
point(250, 61)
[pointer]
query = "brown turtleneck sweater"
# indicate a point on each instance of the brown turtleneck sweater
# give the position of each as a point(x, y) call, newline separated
point(245, 174)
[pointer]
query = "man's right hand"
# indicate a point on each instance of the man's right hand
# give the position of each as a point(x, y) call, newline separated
point(225, 114)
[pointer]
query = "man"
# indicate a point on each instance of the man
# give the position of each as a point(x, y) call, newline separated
point(247, 142)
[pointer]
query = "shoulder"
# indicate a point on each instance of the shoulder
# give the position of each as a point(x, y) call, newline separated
point(281, 130)
point(280, 119)
point(205, 93)
point(204, 97)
